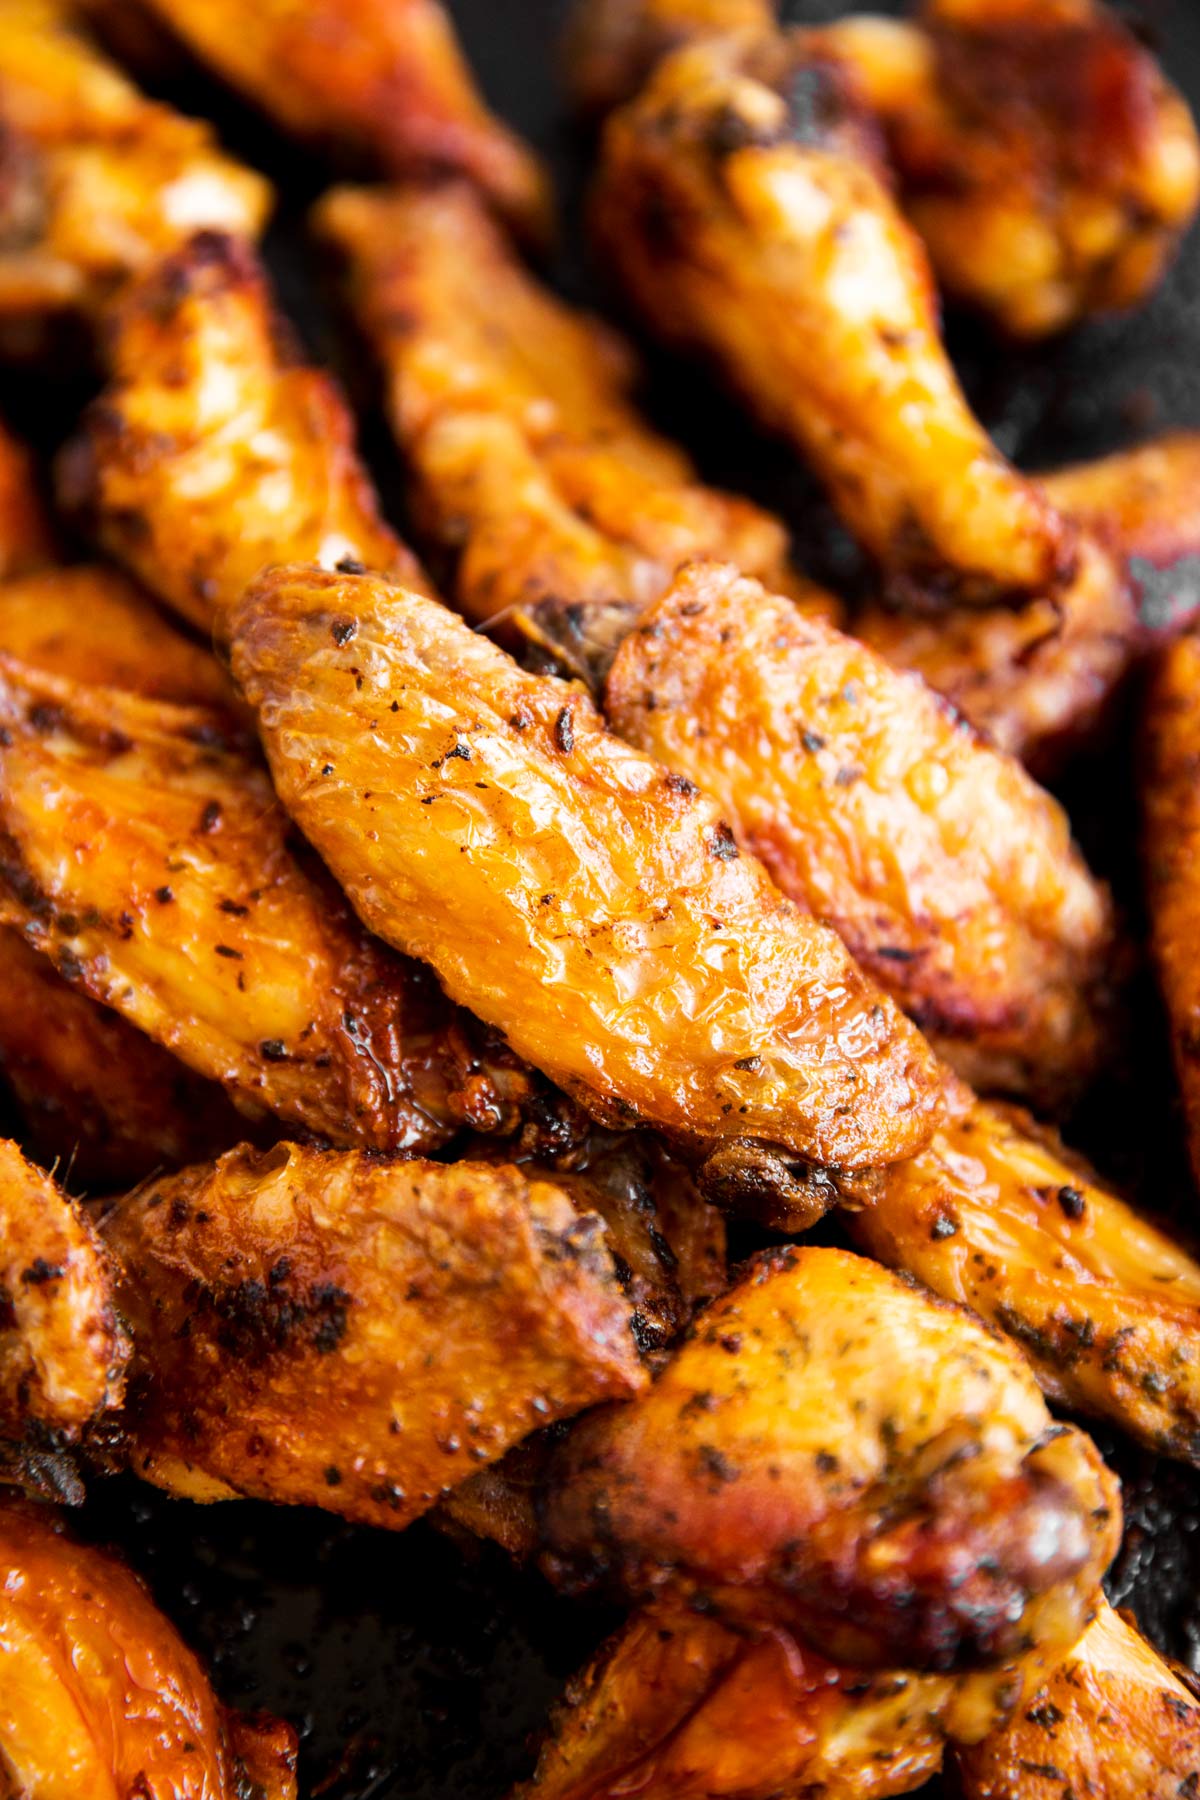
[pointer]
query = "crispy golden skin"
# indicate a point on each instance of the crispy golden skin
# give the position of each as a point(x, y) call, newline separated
point(214, 451)
point(1114, 1722)
point(382, 83)
point(95, 180)
point(94, 1091)
point(834, 1451)
point(560, 512)
point(1045, 160)
point(62, 1352)
point(569, 890)
point(99, 1696)
point(998, 1215)
point(949, 876)
point(150, 862)
point(741, 204)
point(1171, 808)
point(337, 1330)
point(612, 45)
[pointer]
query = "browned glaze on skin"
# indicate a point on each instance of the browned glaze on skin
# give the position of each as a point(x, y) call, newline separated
point(742, 205)
point(1171, 808)
point(95, 180)
point(149, 860)
point(634, 955)
point(949, 876)
point(100, 1697)
point(1042, 155)
point(356, 1333)
point(382, 84)
point(214, 450)
point(996, 1214)
point(612, 45)
point(834, 1451)
point(1115, 1722)
point(62, 1352)
point(561, 513)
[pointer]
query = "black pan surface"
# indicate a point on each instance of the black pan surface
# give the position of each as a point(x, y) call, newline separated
point(417, 1667)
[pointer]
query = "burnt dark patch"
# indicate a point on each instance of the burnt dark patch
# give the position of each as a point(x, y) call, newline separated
point(255, 1320)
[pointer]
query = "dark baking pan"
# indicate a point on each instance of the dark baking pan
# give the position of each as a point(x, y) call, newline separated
point(411, 1665)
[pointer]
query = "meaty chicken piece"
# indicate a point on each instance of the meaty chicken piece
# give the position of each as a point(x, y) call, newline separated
point(560, 512)
point(1171, 807)
point(834, 1451)
point(741, 203)
point(337, 1330)
point(95, 180)
point(573, 893)
point(99, 1696)
point(996, 1214)
point(214, 450)
point(1047, 163)
point(950, 877)
point(381, 83)
point(149, 860)
point(62, 1352)
point(1114, 1722)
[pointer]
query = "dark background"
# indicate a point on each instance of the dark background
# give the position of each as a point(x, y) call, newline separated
point(413, 1666)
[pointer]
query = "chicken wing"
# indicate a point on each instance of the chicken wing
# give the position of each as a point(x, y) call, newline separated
point(214, 451)
point(150, 862)
point(99, 1696)
point(836, 1452)
point(1171, 808)
point(998, 1215)
point(1114, 1722)
point(95, 180)
point(382, 83)
point(948, 875)
point(561, 513)
point(1043, 157)
point(338, 1330)
point(573, 893)
point(741, 203)
point(62, 1352)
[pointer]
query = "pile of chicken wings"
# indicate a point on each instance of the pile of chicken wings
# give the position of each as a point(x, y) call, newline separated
point(410, 959)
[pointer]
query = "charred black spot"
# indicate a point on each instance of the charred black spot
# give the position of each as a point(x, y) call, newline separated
point(944, 1226)
point(1071, 1201)
point(722, 844)
point(40, 1272)
point(811, 741)
point(210, 818)
point(234, 908)
point(714, 1462)
point(164, 895)
point(341, 630)
point(564, 731)
point(273, 1050)
point(679, 784)
point(350, 565)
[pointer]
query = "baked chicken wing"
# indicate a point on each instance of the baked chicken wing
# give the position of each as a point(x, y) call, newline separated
point(149, 860)
point(357, 1333)
point(996, 1214)
point(214, 450)
point(1114, 1722)
point(1043, 157)
point(99, 1696)
point(949, 876)
point(383, 83)
point(573, 893)
point(561, 513)
point(62, 1351)
point(95, 180)
point(741, 203)
point(834, 1451)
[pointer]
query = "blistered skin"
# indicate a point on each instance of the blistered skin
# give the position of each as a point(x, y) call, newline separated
point(95, 180)
point(356, 1333)
point(612, 45)
point(741, 204)
point(99, 1696)
point(573, 893)
point(1046, 162)
point(62, 1352)
point(834, 1451)
point(1114, 1722)
point(560, 513)
point(950, 877)
point(381, 83)
point(150, 862)
point(1106, 1308)
point(214, 450)
point(1171, 810)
